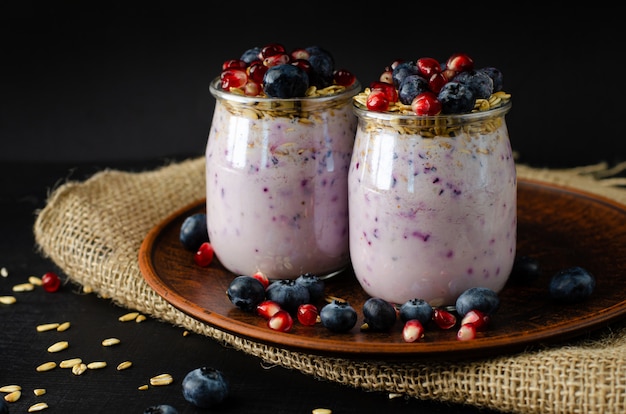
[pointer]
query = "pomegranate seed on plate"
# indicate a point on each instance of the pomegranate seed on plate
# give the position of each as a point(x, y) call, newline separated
point(307, 314)
point(204, 255)
point(444, 319)
point(478, 319)
point(466, 332)
point(267, 309)
point(281, 321)
point(260, 276)
point(412, 331)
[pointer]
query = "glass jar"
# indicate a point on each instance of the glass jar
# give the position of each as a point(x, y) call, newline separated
point(433, 204)
point(276, 182)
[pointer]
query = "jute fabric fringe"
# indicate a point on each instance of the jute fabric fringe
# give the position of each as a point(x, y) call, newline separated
point(93, 231)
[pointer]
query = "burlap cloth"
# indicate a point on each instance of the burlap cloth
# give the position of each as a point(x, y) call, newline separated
point(93, 231)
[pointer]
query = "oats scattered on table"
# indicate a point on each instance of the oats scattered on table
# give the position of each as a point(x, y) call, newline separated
point(23, 287)
point(110, 341)
point(96, 365)
point(161, 379)
point(124, 365)
point(39, 391)
point(131, 316)
point(37, 407)
point(35, 281)
point(79, 369)
point(58, 346)
point(4, 272)
point(7, 300)
point(63, 327)
point(47, 327)
point(13, 396)
point(69, 363)
point(46, 366)
point(10, 388)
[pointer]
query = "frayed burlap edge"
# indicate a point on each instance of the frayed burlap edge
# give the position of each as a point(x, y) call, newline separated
point(93, 231)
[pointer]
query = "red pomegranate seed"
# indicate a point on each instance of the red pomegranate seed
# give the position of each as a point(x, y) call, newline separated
point(302, 64)
point(444, 319)
point(260, 276)
point(50, 282)
point(428, 66)
point(256, 71)
point(204, 255)
point(234, 64)
point(412, 331)
point(390, 91)
point(280, 321)
point(436, 82)
point(426, 103)
point(466, 332)
point(307, 314)
point(460, 62)
point(267, 309)
point(478, 319)
point(233, 78)
point(278, 59)
point(377, 101)
point(344, 77)
point(271, 50)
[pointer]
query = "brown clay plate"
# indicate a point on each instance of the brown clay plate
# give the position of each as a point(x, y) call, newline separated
point(559, 226)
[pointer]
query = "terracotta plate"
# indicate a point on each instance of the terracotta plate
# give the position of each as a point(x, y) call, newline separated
point(559, 226)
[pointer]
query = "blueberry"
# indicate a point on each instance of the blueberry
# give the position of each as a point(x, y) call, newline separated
point(246, 292)
point(285, 81)
point(525, 270)
point(205, 387)
point(251, 55)
point(4, 407)
point(338, 316)
point(456, 98)
point(410, 87)
point(402, 70)
point(160, 409)
point(322, 66)
point(416, 309)
point(572, 284)
point(378, 314)
point(314, 284)
point(477, 298)
point(496, 76)
point(479, 83)
point(193, 231)
point(289, 294)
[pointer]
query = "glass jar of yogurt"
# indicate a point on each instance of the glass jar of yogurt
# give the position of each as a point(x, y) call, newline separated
point(276, 182)
point(433, 204)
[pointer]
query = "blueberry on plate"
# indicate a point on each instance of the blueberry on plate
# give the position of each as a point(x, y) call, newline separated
point(456, 98)
point(572, 284)
point(246, 292)
point(477, 298)
point(525, 270)
point(285, 81)
point(338, 316)
point(378, 314)
point(416, 309)
point(314, 284)
point(160, 409)
point(205, 387)
point(289, 294)
point(193, 231)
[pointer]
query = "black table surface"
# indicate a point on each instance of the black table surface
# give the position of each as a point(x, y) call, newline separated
point(153, 347)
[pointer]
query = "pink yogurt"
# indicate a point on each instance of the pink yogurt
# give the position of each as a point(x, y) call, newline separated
point(276, 183)
point(432, 216)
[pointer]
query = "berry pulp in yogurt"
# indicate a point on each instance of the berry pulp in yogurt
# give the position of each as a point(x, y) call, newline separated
point(276, 182)
point(432, 204)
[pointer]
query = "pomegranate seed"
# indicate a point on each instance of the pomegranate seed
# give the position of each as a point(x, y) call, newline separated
point(412, 331)
point(444, 319)
point(260, 276)
point(436, 82)
point(460, 62)
point(252, 88)
point(390, 91)
point(307, 314)
point(234, 64)
point(478, 319)
point(50, 282)
point(233, 78)
point(428, 66)
point(303, 64)
point(267, 309)
point(300, 54)
point(271, 50)
point(386, 77)
point(344, 77)
point(377, 101)
point(466, 332)
point(204, 255)
point(274, 60)
point(426, 103)
point(280, 321)
point(256, 71)
point(448, 74)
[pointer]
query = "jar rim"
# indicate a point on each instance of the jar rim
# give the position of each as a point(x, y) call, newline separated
point(218, 92)
point(501, 110)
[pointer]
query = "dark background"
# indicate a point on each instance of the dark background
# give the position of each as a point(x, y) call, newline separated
point(118, 80)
